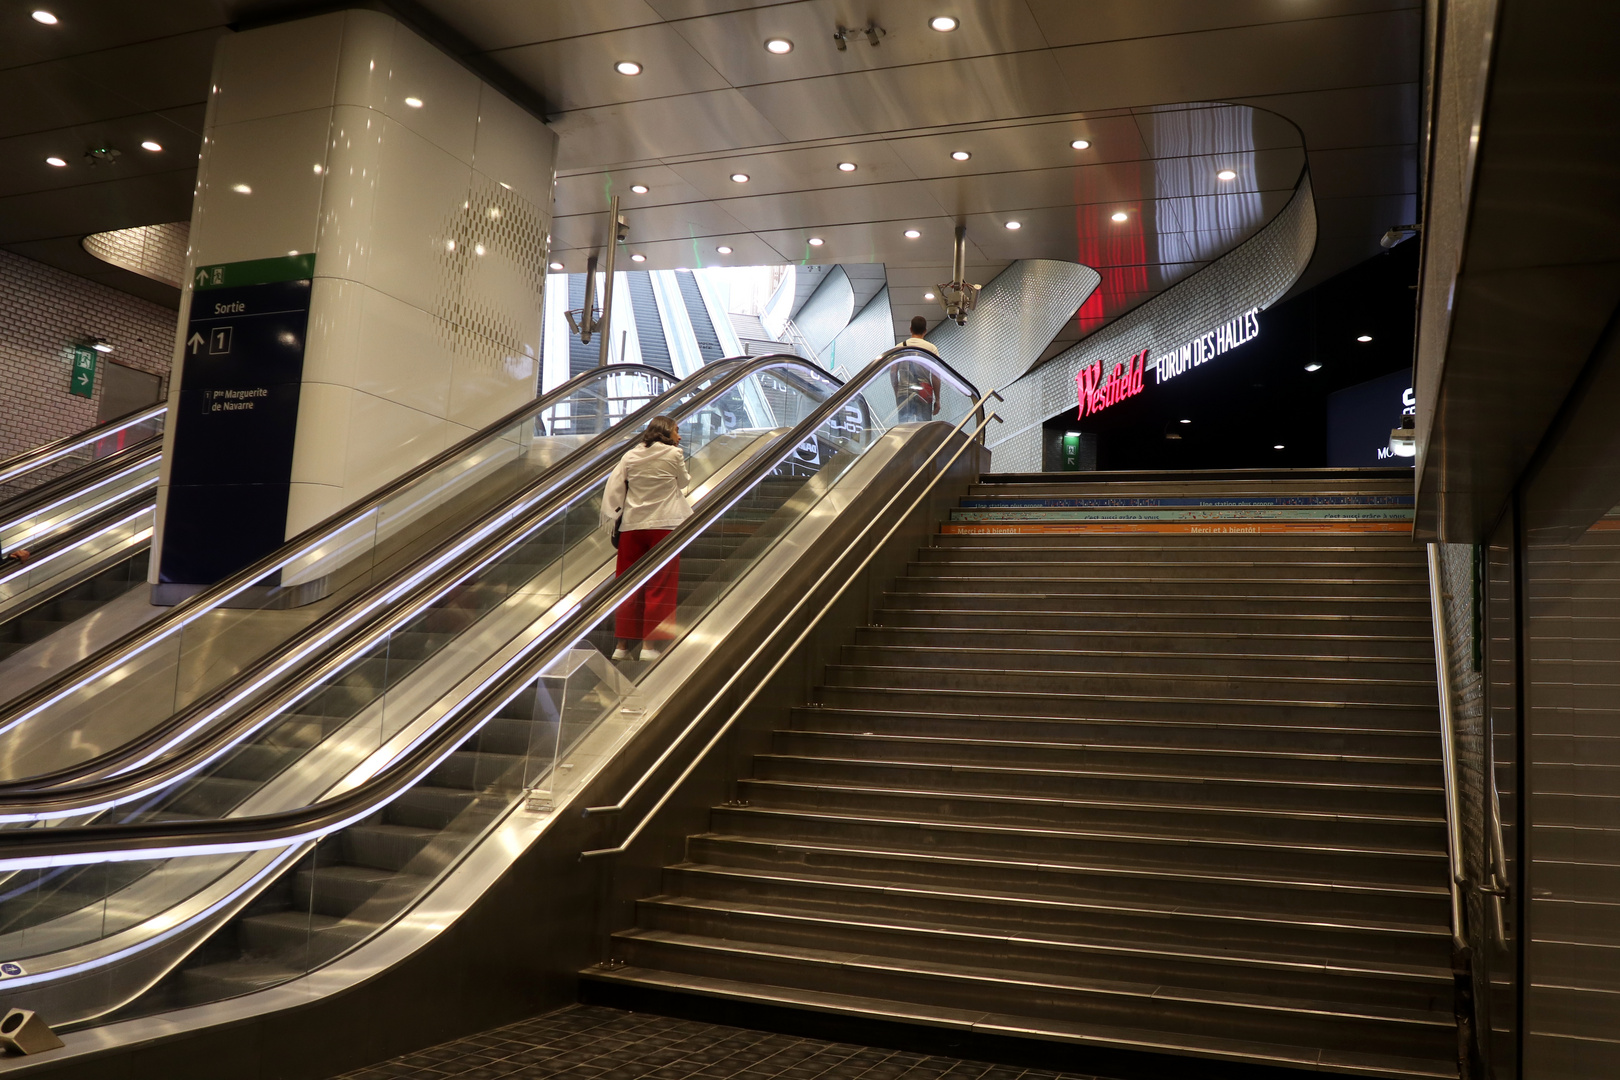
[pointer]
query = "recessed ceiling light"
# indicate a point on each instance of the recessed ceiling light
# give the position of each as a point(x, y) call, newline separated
point(815, 241)
point(101, 346)
point(1081, 144)
point(638, 257)
point(1313, 367)
point(723, 249)
point(414, 102)
point(152, 146)
point(1279, 446)
point(58, 162)
point(739, 178)
point(1120, 215)
point(928, 296)
point(1015, 225)
point(943, 23)
point(960, 155)
point(45, 17)
point(846, 166)
point(639, 189)
point(1364, 338)
point(241, 189)
point(627, 67)
point(1226, 174)
point(912, 234)
point(778, 45)
point(556, 266)
point(1186, 421)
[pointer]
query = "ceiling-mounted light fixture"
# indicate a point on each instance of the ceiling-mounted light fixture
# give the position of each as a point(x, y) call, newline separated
point(101, 345)
point(556, 266)
point(1081, 144)
point(1120, 215)
point(960, 155)
point(1313, 366)
point(779, 46)
point(45, 17)
point(1186, 421)
point(1226, 174)
point(943, 23)
point(627, 67)
point(1364, 338)
point(739, 178)
point(56, 162)
point(639, 189)
point(1015, 225)
point(154, 147)
point(1279, 446)
point(723, 249)
point(638, 257)
point(928, 296)
point(414, 102)
point(241, 189)
point(815, 241)
point(846, 166)
point(912, 234)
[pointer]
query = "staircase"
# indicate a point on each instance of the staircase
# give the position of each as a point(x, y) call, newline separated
point(1147, 767)
point(46, 618)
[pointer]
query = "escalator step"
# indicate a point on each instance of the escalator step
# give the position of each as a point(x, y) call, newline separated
point(385, 847)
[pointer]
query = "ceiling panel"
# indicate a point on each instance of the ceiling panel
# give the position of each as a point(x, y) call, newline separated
point(111, 204)
point(904, 204)
point(872, 243)
point(1364, 170)
point(1065, 22)
point(590, 192)
point(1172, 131)
point(1012, 147)
point(1348, 116)
point(734, 43)
point(22, 157)
point(85, 26)
point(67, 253)
point(491, 25)
point(921, 279)
point(649, 224)
point(691, 9)
point(795, 169)
point(749, 250)
point(663, 128)
point(575, 74)
point(906, 99)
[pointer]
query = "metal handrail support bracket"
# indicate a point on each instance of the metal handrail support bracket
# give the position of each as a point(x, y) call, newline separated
point(1448, 755)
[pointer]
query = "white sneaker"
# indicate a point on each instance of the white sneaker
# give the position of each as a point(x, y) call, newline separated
point(621, 653)
point(649, 651)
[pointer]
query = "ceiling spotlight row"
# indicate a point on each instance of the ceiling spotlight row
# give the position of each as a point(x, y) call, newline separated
point(57, 162)
point(778, 46)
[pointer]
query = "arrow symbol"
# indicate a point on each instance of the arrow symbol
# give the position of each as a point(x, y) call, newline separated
point(195, 341)
point(202, 278)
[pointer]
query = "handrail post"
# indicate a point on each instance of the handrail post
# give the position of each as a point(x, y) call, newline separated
point(1448, 753)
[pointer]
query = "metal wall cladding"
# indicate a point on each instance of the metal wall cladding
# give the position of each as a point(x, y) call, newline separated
point(1254, 274)
point(152, 251)
point(1018, 315)
point(828, 310)
point(868, 335)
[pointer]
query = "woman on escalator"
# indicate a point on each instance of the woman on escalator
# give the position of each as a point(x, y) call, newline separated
point(644, 500)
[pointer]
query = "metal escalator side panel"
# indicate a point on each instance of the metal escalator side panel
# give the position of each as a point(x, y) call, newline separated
point(21, 474)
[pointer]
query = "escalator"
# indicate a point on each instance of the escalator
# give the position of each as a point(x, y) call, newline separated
point(335, 819)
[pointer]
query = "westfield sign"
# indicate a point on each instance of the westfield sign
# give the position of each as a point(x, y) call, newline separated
point(1126, 379)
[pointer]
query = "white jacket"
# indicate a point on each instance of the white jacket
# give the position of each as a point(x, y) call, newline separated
point(649, 485)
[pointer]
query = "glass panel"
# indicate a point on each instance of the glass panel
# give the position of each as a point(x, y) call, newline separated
point(33, 470)
point(208, 647)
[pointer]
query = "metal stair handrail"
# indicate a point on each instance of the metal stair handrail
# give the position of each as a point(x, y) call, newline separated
point(39, 456)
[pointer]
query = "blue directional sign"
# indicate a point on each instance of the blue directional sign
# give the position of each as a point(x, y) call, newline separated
point(243, 365)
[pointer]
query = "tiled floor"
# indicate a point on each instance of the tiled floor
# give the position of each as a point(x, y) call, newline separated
point(588, 1042)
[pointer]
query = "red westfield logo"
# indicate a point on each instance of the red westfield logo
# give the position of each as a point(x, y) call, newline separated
point(1126, 381)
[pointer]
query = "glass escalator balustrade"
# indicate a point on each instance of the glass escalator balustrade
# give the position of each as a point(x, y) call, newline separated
point(29, 471)
point(541, 606)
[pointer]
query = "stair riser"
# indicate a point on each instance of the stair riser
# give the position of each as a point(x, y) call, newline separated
point(292, 945)
point(1195, 930)
point(378, 849)
point(980, 659)
point(1123, 733)
point(1011, 616)
point(337, 896)
point(1099, 884)
point(1210, 583)
point(1012, 954)
point(1401, 718)
point(1079, 604)
point(1188, 763)
point(1267, 795)
point(1169, 560)
point(1417, 652)
point(1155, 821)
point(1122, 851)
point(1154, 1013)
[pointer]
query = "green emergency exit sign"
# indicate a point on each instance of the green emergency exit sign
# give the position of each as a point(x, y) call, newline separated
point(83, 380)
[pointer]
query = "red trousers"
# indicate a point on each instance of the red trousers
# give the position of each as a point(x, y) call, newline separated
point(648, 614)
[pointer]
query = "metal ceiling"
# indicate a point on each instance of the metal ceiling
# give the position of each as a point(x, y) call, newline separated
point(1167, 93)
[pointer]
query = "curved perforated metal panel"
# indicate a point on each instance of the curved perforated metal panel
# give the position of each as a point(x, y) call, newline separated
point(866, 337)
point(1254, 274)
point(827, 311)
point(1018, 315)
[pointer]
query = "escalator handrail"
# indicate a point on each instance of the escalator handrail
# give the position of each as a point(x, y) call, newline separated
point(178, 616)
point(37, 500)
point(122, 774)
point(77, 845)
point(28, 460)
point(103, 519)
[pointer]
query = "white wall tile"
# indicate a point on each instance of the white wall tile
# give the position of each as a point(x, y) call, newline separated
point(385, 440)
point(515, 149)
point(274, 70)
point(349, 194)
point(362, 67)
point(417, 226)
point(310, 503)
point(333, 339)
point(487, 382)
point(448, 115)
point(321, 447)
point(403, 354)
point(273, 158)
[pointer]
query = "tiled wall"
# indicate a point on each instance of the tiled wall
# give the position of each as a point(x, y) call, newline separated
point(44, 312)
